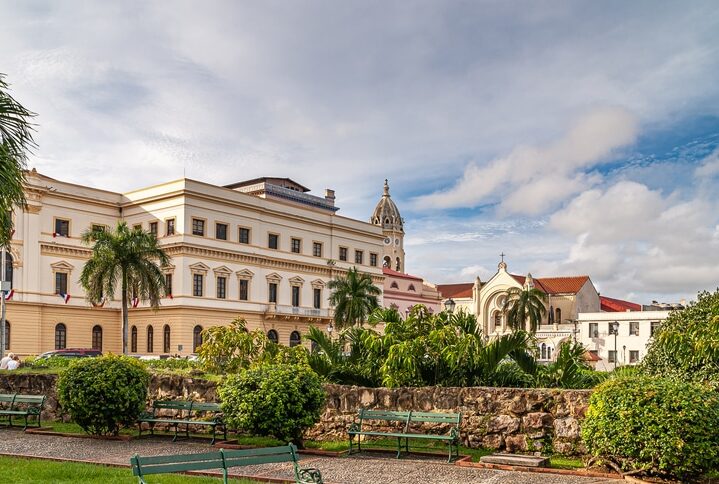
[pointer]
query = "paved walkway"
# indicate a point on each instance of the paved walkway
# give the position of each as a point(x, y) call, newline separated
point(359, 469)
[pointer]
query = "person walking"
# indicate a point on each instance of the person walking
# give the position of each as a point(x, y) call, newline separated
point(14, 363)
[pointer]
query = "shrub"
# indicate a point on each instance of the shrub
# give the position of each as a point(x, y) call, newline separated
point(172, 364)
point(660, 426)
point(102, 394)
point(281, 400)
point(52, 362)
point(227, 349)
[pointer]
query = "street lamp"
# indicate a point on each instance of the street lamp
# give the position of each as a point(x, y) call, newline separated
point(615, 331)
point(449, 305)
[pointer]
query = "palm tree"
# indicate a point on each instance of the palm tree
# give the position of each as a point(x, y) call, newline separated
point(15, 143)
point(354, 297)
point(524, 306)
point(130, 258)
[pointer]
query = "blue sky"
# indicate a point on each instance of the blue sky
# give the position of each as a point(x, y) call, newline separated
point(577, 137)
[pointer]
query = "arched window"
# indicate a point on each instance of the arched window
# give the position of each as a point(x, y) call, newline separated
point(150, 339)
point(543, 348)
point(394, 285)
point(387, 262)
point(273, 336)
point(166, 339)
point(497, 320)
point(549, 352)
point(196, 338)
point(551, 314)
point(411, 288)
point(133, 339)
point(558, 316)
point(8, 267)
point(7, 335)
point(294, 338)
point(60, 336)
point(398, 267)
point(97, 337)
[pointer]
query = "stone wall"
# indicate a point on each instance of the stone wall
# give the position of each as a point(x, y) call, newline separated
point(515, 420)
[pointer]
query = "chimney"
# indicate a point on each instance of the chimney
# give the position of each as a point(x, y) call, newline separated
point(330, 196)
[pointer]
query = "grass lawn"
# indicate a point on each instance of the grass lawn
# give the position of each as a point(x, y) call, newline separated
point(20, 470)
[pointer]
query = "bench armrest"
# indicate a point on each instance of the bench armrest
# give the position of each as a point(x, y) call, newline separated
point(454, 433)
point(309, 475)
point(33, 410)
point(354, 428)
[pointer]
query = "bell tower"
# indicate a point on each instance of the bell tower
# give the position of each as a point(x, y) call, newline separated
point(386, 215)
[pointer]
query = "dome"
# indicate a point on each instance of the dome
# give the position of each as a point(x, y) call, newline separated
point(386, 214)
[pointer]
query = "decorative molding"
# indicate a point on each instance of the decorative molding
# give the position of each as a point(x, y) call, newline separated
point(318, 284)
point(273, 277)
point(62, 266)
point(222, 270)
point(64, 250)
point(200, 267)
point(32, 209)
point(245, 274)
point(296, 281)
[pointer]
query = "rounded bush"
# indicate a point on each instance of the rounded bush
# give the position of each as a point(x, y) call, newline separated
point(281, 400)
point(105, 393)
point(660, 426)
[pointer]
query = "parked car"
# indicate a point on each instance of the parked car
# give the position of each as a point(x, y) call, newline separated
point(71, 353)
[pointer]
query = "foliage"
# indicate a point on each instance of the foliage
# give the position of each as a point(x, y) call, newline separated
point(686, 346)
point(47, 363)
point(353, 297)
point(524, 306)
point(279, 400)
point(104, 393)
point(15, 143)
point(660, 426)
point(568, 370)
point(172, 364)
point(129, 258)
point(227, 349)
point(441, 349)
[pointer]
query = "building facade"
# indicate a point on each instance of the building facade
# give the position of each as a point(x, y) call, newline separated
point(263, 250)
point(404, 291)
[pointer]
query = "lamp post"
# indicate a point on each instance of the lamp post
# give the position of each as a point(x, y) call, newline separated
point(449, 305)
point(615, 332)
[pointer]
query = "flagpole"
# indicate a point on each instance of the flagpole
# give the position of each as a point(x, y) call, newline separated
point(2, 304)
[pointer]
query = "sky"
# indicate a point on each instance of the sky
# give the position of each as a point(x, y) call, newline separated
point(576, 137)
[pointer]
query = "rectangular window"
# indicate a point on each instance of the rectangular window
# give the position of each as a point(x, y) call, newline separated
point(373, 259)
point(317, 293)
point(343, 254)
point(654, 327)
point(244, 289)
point(273, 241)
point(272, 292)
point(168, 284)
point(153, 228)
point(612, 356)
point(221, 287)
point(594, 330)
point(296, 245)
point(296, 296)
point(198, 227)
point(610, 328)
point(221, 231)
point(98, 228)
point(633, 356)
point(197, 280)
point(60, 283)
point(137, 227)
point(634, 328)
point(170, 226)
point(62, 227)
point(244, 235)
point(359, 257)
point(317, 249)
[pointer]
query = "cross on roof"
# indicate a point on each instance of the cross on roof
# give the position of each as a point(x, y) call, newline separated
point(502, 254)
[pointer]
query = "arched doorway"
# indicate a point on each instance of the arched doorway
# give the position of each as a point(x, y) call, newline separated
point(60, 336)
point(97, 337)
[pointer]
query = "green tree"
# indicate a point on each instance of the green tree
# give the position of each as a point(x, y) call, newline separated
point(568, 370)
point(522, 306)
point(686, 346)
point(227, 349)
point(15, 143)
point(129, 258)
point(354, 297)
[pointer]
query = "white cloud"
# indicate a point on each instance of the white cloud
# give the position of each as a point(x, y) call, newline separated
point(530, 180)
point(709, 167)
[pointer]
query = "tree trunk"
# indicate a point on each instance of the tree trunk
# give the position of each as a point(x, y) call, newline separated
point(125, 323)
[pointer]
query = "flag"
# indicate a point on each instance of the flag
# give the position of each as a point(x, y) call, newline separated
point(7, 295)
point(135, 302)
point(65, 297)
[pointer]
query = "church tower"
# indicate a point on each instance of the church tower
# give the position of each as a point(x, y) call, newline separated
point(386, 215)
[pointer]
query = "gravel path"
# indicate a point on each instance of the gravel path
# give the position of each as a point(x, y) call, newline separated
point(359, 469)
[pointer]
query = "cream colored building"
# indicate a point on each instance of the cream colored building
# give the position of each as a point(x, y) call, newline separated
point(263, 250)
point(566, 298)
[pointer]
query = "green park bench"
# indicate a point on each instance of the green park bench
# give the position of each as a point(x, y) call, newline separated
point(224, 459)
point(452, 420)
point(25, 406)
point(183, 413)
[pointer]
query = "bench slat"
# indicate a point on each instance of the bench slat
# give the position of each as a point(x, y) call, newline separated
point(180, 467)
point(235, 453)
point(258, 460)
point(164, 459)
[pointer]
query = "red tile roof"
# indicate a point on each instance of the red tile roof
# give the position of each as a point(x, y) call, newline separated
point(589, 356)
point(556, 285)
point(611, 305)
point(455, 290)
point(389, 272)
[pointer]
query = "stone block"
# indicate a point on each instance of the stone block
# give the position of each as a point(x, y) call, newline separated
point(503, 423)
point(515, 460)
point(567, 428)
point(492, 441)
point(516, 443)
point(537, 420)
